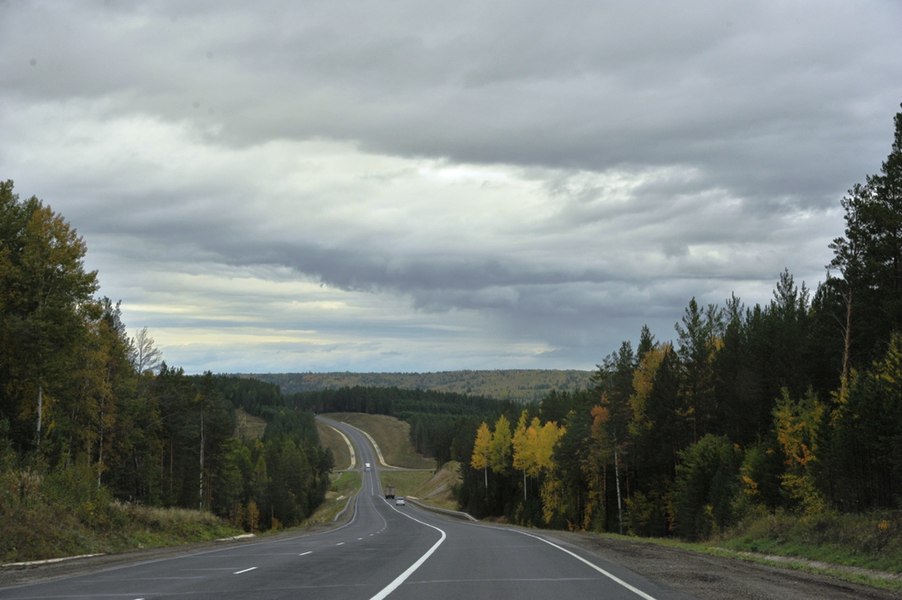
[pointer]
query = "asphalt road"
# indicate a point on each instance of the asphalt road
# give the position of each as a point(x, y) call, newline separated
point(382, 551)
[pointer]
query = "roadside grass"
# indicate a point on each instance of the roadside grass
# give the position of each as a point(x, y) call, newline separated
point(64, 514)
point(439, 489)
point(393, 437)
point(870, 540)
point(405, 483)
point(343, 486)
point(331, 439)
point(151, 527)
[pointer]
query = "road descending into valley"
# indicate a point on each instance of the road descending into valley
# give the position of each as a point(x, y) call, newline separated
point(382, 551)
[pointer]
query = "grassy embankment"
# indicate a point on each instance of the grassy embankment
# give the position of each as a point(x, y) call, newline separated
point(847, 546)
point(64, 513)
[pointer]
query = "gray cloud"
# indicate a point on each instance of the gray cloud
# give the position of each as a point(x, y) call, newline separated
point(423, 186)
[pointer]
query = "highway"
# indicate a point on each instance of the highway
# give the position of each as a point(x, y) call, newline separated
point(382, 551)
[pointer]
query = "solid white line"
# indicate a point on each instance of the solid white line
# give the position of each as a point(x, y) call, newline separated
point(244, 571)
point(403, 576)
point(610, 576)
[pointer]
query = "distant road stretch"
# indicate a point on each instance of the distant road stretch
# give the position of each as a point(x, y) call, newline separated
point(384, 551)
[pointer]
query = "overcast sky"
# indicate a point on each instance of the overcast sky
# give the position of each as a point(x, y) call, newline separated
point(426, 186)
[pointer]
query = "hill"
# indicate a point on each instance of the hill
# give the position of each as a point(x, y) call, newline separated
point(522, 385)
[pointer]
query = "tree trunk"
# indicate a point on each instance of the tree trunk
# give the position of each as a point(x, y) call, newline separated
point(201, 494)
point(40, 413)
point(617, 480)
point(847, 348)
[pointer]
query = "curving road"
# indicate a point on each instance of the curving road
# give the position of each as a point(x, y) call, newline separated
point(382, 551)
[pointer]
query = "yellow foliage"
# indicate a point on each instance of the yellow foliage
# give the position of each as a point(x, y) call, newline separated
point(643, 382)
point(551, 497)
point(480, 458)
point(500, 447)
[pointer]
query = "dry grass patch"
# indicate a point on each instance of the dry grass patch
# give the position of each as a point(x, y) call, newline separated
point(331, 439)
point(393, 437)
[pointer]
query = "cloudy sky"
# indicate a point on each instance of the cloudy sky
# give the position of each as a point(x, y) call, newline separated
point(426, 186)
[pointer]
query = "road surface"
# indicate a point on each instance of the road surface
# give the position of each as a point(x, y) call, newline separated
point(383, 551)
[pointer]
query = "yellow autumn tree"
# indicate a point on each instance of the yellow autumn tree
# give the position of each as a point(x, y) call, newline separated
point(643, 384)
point(500, 447)
point(481, 449)
point(544, 438)
point(796, 424)
point(523, 452)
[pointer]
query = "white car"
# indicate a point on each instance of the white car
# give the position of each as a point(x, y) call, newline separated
point(399, 501)
point(367, 466)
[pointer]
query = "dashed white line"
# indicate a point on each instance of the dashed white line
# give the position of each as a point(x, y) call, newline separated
point(340, 544)
point(306, 553)
point(244, 571)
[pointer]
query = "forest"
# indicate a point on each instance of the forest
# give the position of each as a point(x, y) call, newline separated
point(81, 400)
point(793, 405)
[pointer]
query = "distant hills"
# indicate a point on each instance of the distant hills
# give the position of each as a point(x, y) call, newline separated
point(523, 385)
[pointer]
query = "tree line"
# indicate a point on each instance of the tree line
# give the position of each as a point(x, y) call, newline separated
point(77, 392)
point(440, 422)
point(795, 404)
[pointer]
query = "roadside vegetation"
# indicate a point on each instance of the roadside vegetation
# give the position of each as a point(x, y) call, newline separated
point(64, 513)
point(342, 487)
point(871, 540)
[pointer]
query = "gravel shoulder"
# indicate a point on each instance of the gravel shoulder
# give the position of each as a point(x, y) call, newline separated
point(719, 578)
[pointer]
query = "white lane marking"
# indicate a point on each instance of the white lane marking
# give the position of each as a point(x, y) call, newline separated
point(403, 576)
point(306, 553)
point(610, 576)
point(244, 571)
point(359, 539)
point(340, 544)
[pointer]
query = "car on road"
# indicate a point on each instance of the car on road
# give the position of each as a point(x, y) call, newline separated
point(399, 501)
point(367, 466)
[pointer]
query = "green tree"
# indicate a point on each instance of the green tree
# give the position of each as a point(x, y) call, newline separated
point(44, 285)
point(699, 342)
point(869, 260)
point(707, 481)
point(863, 459)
